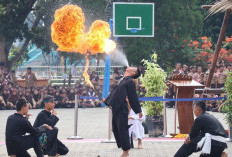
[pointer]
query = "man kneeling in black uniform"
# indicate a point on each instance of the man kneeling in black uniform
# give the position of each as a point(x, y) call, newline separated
point(54, 147)
point(207, 134)
point(17, 143)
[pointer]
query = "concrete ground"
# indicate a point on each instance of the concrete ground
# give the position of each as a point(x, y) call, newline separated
point(93, 127)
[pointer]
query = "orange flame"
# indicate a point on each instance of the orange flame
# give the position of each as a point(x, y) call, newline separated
point(85, 74)
point(69, 34)
point(98, 33)
point(68, 29)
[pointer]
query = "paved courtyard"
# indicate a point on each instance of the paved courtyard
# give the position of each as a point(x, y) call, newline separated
point(93, 125)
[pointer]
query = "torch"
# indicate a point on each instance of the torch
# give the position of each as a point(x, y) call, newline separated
point(101, 99)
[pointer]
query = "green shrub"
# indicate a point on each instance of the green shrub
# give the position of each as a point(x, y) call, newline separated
point(228, 108)
point(154, 83)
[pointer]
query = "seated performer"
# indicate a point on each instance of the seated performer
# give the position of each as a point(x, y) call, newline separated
point(117, 100)
point(136, 130)
point(53, 147)
point(207, 135)
point(17, 143)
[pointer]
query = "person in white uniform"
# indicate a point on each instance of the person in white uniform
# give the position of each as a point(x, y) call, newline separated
point(136, 130)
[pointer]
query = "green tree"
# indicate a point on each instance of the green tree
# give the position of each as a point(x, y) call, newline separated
point(2, 10)
point(212, 24)
point(13, 24)
point(179, 19)
point(20, 23)
point(176, 20)
point(139, 47)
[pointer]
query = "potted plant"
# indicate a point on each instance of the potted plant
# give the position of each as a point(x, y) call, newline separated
point(227, 110)
point(154, 83)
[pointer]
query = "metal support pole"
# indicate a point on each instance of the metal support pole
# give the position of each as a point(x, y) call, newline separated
point(175, 118)
point(229, 133)
point(106, 89)
point(165, 119)
point(175, 112)
point(110, 125)
point(75, 137)
point(109, 140)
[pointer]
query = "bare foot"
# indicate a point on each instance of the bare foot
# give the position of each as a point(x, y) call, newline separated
point(125, 153)
point(224, 154)
point(140, 144)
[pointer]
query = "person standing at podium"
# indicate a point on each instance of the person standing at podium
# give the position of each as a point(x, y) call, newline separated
point(29, 78)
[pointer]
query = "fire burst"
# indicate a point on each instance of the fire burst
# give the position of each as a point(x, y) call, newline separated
point(69, 33)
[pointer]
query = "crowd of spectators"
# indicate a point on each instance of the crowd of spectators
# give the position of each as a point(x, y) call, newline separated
point(201, 76)
point(11, 91)
point(197, 73)
point(64, 96)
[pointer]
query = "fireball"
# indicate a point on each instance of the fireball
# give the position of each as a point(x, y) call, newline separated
point(98, 33)
point(69, 34)
point(68, 29)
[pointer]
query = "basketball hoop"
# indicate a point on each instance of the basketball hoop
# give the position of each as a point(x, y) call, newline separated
point(134, 30)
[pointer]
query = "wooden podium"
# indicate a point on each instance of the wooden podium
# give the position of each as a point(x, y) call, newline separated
point(184, 87)
point(38, 83)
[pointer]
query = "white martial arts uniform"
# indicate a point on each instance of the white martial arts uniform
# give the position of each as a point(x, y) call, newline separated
point(136, 130)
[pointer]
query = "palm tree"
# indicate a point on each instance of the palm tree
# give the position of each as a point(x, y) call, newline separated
point(220, 6)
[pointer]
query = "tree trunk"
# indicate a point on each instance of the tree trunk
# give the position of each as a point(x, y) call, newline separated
point(45, 59)
point(8, 43)
point(218, 47)
point(2, 50)
point(98, 61)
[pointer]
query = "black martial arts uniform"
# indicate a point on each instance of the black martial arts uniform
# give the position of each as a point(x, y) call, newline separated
point(17, 143)
point(203, 124)
point(117, 100)
point(54, 145)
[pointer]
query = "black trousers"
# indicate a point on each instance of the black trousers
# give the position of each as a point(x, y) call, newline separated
point(188, 149)
point(54, 146)
point(26, 142)
point(221, 85)
point(120, 128)
point(213, 86)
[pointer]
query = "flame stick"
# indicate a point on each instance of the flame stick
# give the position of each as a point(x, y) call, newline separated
point(89, 83)
point(101, 98)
